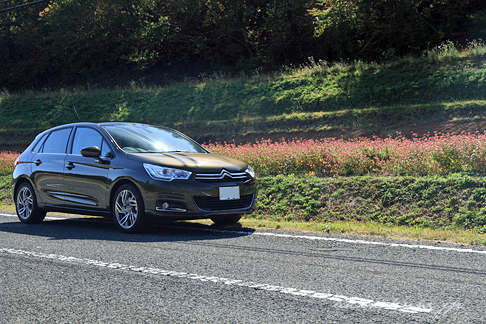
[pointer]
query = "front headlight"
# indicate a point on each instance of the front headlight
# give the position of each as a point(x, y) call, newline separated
point(250, 171)
point(158, 172)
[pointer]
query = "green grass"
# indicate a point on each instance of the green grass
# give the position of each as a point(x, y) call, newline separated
point(320, 121)
point(457, 201)
point(443, 85)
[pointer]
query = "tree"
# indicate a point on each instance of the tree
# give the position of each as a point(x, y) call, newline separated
point(21, 54)
point(88, 38)
point(375, 29)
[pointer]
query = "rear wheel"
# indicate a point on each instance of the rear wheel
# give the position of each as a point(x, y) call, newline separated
point(226, 220)
point(128, 209)
point(26, 205)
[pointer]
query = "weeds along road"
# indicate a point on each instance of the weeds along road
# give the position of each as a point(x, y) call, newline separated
point(83, 270)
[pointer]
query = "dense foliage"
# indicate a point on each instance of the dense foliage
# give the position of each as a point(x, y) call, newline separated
point(91, 43)
point(373, 29)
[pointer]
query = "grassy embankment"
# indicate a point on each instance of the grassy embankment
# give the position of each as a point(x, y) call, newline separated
point(443, 87)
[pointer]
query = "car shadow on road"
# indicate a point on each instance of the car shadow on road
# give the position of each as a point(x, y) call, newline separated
point(97, 228)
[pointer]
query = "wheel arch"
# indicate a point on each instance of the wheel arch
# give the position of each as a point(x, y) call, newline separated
point(18, 182)
point(120, 183)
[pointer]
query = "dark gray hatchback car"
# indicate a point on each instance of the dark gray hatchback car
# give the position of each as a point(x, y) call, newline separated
point(129, 172)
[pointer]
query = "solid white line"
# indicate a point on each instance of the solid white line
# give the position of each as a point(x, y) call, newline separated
point(211, 279)
point(321, 238)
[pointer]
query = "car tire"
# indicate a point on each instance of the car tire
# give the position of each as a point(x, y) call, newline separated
point(128, 209)
point(226, 220)
point(26, 205)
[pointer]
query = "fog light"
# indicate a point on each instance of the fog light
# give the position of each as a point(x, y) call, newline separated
point(169, 206)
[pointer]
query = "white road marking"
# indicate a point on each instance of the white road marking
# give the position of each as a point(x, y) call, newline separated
point(47, 217)
point(248, 284)
point(332, 239)
point(321, 238)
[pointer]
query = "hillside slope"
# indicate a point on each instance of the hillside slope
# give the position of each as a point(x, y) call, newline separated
point(442, 91)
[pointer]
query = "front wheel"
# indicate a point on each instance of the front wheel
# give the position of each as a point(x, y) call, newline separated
point(26, 205)
point(226, 220)
point(128, 209)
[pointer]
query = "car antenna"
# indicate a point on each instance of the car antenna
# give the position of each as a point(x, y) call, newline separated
point(76, 112)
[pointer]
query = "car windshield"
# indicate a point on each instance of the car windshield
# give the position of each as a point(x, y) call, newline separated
point(133, 138)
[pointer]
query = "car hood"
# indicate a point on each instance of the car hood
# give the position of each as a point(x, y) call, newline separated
point(198, 162)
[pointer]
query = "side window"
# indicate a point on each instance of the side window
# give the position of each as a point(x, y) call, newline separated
point(57, 141)
point(106, 150)
point(85, 137)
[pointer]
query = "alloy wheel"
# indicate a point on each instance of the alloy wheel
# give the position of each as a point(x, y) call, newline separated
point(126, 209)
point(25, 203)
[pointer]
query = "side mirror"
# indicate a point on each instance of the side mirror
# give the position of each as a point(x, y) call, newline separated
point(91, 151)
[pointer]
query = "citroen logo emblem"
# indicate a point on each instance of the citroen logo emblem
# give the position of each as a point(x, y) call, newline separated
point(225, 173)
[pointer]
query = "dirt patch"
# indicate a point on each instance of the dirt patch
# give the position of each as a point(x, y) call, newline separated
point(451, 127)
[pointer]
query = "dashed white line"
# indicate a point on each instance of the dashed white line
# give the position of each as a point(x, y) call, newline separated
point(241, 283)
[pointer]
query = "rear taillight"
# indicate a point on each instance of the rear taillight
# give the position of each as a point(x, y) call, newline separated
point(17, 161)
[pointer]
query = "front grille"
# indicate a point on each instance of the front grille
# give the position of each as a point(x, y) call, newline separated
point(223, 176)
point(214, 204)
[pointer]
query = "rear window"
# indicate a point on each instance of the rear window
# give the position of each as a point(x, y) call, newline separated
point(38, 146)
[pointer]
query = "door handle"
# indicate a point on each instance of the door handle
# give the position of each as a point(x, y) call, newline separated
point(38, 162)
point(70, 165)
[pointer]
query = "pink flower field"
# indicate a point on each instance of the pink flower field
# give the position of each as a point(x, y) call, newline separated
point(433, 154)
point(7, 160)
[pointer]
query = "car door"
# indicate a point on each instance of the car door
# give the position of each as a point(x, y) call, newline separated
point(85, 178)
point(48, 167)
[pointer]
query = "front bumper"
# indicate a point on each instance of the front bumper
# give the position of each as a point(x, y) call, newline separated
point(184, 200)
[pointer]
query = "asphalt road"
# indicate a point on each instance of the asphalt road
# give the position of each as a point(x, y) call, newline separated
point(72, 270)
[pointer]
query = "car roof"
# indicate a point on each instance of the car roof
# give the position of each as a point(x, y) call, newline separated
point(88, 124)
point(100, 124)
